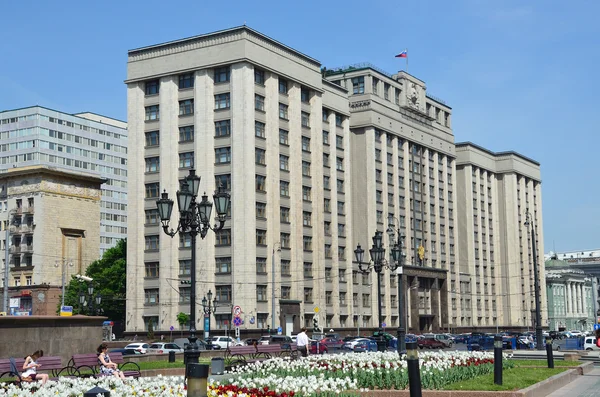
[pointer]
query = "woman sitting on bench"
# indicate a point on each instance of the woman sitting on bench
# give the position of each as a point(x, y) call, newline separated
point(30, 366)
point(107, 367)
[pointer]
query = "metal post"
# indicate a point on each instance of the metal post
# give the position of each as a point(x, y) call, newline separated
point(381, 345)
point(414, 375)
point(197, 380)
point(191, 353)
point(536, 287)
point(498, 359)
point(401, 348)
point(549, 352)
point(64, 263)
point(273, 288)
point(6, 260)
point(358, 325)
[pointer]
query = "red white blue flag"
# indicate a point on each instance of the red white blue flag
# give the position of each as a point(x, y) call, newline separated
point(403, 54)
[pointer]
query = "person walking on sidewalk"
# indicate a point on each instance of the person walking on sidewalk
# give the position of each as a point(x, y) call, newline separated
point(302, 342)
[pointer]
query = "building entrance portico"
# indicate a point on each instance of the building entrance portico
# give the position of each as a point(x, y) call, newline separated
point(427, 299)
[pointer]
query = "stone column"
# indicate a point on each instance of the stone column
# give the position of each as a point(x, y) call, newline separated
point(435, 305)
point(568, 289)
point(578, 297)
point(580, 294)
point(414, 305)
point(443, 303)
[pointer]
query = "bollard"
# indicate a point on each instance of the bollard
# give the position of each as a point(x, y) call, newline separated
point(172, 356)
point(414, 376)
point(197, 380)
point(498, 359)
point(96, 391)
point(549, 352)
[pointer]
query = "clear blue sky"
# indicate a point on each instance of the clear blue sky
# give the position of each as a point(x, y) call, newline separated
point(520, 75)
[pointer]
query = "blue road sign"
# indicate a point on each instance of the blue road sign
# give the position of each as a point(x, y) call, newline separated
point(172, 328)
point(596, 327)
point(237, 321)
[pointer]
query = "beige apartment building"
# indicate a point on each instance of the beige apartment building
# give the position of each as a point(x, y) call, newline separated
point(53, 218)
point(316, 161)
point(496, 284)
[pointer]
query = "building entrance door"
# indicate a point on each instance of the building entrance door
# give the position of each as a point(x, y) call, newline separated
point(289, 324)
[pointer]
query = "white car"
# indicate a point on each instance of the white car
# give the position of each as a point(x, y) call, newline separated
point(590, 344)
point(576, 333)
point(141, 347)
point(164, 348)
point(224, 342)
point(352, 343)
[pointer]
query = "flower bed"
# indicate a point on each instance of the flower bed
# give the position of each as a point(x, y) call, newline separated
point(345, 374)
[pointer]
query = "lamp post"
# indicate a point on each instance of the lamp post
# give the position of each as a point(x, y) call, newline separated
point(209, 308)
point(538, 315)
point(194, 218)
point(401, 333)
point(65, 262)
point(91, 302)
point(378, 262)
point(276, 247)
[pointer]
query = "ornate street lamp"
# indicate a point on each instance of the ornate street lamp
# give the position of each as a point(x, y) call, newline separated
point(378, 263)
point(399, 256)
point(90, 302)
point(536, 286)
point(194, 219)
point(208, 310)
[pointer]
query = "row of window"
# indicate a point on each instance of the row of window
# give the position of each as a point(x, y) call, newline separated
point(28, 131)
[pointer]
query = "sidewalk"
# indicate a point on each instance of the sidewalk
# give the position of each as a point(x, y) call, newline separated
point(587, 385)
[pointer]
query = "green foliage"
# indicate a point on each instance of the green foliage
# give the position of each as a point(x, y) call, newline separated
point(183, 319)
point(150, 329)
point(110, 278)
point(512, 379)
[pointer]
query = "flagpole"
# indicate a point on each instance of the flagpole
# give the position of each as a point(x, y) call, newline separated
point(407, 60)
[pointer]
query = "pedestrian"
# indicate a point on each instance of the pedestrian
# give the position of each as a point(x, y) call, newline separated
point(302, 342)
point(31, 365)
point(107, 367)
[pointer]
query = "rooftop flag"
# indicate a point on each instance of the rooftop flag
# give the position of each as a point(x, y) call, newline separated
point(403, 54)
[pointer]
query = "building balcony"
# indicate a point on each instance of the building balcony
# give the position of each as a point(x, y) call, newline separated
point(27, 248)
point(15, 249)
point(23, 210)
point(24, 228)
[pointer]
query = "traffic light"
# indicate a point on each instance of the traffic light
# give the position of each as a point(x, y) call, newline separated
point(185, 282)
point(316, 327)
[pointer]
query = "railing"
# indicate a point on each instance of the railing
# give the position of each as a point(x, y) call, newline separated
point(356, 66)
point(24, 228)
point(27, 248)
point(28, 209)
point(15, 249)
point(428, 95)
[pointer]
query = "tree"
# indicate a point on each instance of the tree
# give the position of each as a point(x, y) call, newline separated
point(183, 319)
point(110, 280)
point(150, 329)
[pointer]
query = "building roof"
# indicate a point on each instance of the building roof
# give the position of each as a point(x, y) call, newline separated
point(45, 169)
point(555, 263)
point(496, 154)
point(78, 114)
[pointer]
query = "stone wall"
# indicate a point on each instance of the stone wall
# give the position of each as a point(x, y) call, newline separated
point(56, 336)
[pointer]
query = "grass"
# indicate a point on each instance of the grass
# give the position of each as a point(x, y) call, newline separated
point(512, 379)
point(544, 363)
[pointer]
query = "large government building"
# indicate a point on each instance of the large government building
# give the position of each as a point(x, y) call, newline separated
point(316, 161)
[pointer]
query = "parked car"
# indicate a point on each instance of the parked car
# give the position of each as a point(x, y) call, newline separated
point(333, 336)
point(264, 340)
point(445, 339)
point(590, 344)
point(141, 347)
point(183, 342)
point(160, 348)
point(251, 341)
point(430, 343)
point(576, 333)
point(365, 345)
point(283, 340)
point(125, 352)
point(350, 345)
point(223, 342)
point(313, 347)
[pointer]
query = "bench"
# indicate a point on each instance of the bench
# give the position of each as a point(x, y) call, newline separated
point(51, 364)
point(90, 362)
point(241, 355)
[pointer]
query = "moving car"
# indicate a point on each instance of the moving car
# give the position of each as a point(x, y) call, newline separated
point(590, 344)
point(140, 347)
point(160, 348)
point(365, 345)
point(223, 342)
point(430, 342)
point(351, 345)
point(125, 352)
point(445, 339)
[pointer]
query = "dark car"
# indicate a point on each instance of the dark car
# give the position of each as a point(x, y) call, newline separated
point(313, 347)
point(365, 345)
point(125, 352)
point(430, 343)
point(351, 338)
point(251, 341)
point(283, 340)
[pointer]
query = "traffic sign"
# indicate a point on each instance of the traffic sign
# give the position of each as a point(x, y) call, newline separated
point(237, 310)
point(316, 309)
point(384, 325)
point(596, 327)
point(237, 321)
point(171, 328)
point(279, 331)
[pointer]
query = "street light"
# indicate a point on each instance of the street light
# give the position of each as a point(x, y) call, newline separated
point(538, 315)
point(91, 302)
point(208, 310)
point(401, 257)
point(378, 263)
point(194, 218)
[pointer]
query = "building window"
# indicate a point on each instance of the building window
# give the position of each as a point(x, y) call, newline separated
point(259, 129)
point(342, 253)
point(186, 107)
point(152, 164)
point(261, 237)
point(186, 160)
point(308, 295)
point(259, 76)
point(339, 163)
point(326, 184)
point(152, 190)
point(327, 228)
point(340, 186)
point(223, 293)
point(284, 214)
point(340, 208)
point(223, 155)
point(305, 168)
point(305, 119)
point(223, 181)
point(185, 267)
point(152, 113)
point(223, 265)
point(325, 137)
point(325, 160)
point(151, 269)
point(306, 218)
point(152, 217)
point(358, 85)
point(152, 138)
point(285, 240)
point(260, 183)
point(223, 237)
point(283, 137)
point(261, 293)
point(286, 292)
point(306, 144)
point(339, 142)
point(307, 243)
point(259, 102)
point(184, 294)
point(339, 119)
point(151, 243)
point(186, 80)
point(342, 275)
point(152, 87)
point(284, 188)
point(185, 240)
point(222, 74)
point(186, 134)
point(366, 300)
point(306, 193)
point(283, 86)
point(325, 115)
point(328, 255)
point(304, 94)
point(222, 101)
point(223, 128)
point(284, 162)
point(285, 267)
point(151, 296)
point(283, 111)
point(341, 229)
point(260, 156)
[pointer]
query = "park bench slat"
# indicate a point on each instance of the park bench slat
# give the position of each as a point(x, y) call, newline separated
point(90, 361)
